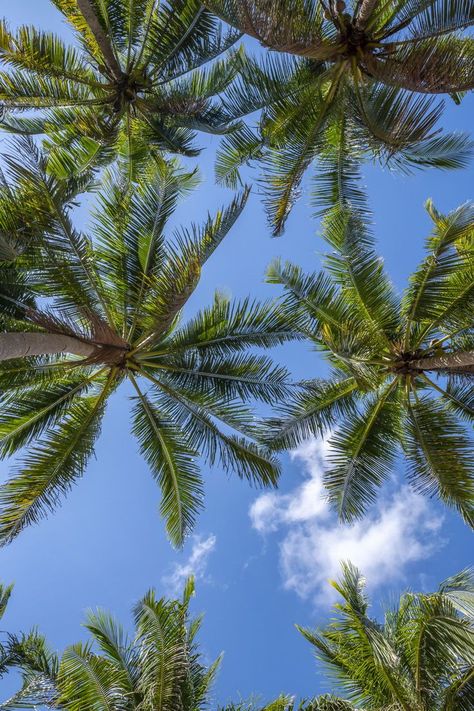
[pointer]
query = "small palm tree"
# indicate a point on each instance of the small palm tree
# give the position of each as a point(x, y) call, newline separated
point(287, 703)
point(421, 657)
point(136, 82)
point(5, 655)
point(401, 368)
point(96, 312)
point(357, 88)
point(160, 668)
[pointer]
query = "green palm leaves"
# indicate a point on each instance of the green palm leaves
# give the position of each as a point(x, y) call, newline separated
point(136, 81)
point(98, 311)
point(401, 367)
point(362, 84)
point(420, 658)
point(5, 656)
point(160, 667)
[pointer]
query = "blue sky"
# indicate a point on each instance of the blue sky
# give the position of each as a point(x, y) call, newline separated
point(260, 560)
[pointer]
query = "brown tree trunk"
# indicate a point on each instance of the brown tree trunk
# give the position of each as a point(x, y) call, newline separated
point(364, 13)
point(90, 16)
point(22, 345)
point(459, 362)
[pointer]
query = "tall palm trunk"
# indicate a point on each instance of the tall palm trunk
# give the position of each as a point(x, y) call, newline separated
point(459, 362)
point(22, 345)
point(90, 16)
point(365, 10)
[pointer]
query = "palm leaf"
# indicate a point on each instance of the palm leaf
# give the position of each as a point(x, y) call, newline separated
point(172, 462)
point(439, 454)
point(362, 454)
point(51, 467)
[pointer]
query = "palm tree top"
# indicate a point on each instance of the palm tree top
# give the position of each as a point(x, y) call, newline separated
point(420, 657)
point(158, 667)
point(415, 45)
point(136, 81)
point(401, 366)
point(81, 315)
point(344, 84)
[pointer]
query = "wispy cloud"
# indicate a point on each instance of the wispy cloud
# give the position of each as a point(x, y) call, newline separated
point(398, 532)
point(195, 564)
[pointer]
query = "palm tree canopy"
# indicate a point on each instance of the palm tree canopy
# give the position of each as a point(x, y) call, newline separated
point(402, 367)
point(5, 656)
point(362, 83)
point(90, 313)
point(160, 667)
point(287, 703)
point(135, 81)
point(421, 657)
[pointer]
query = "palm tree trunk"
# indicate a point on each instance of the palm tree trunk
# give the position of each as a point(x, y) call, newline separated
point(459, 362)
point(88, 11)
point(364, 13)
point(22, 345)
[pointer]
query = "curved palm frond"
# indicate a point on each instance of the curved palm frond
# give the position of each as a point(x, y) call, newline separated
point(419, 657)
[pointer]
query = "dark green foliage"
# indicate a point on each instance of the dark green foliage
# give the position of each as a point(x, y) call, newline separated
point(421, 657)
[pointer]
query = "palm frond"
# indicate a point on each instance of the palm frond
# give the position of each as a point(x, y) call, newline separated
point(439, 453)
point(360, 272)
point(51, 467)
point(237, 376)
point(284, 25)
point(445, 275)
point(227, 327)
point(362, 452)
point(197, 414)
point(181, 270)
point(163, 658)
point(172, 462)
point(237, 149)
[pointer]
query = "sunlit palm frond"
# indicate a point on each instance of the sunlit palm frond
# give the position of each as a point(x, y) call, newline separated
point(419, 656)
point(49, 470)
point(439, 451)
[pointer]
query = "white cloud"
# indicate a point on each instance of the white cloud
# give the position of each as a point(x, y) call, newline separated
point(398, 532)
point(269, 511)
point(195, 564)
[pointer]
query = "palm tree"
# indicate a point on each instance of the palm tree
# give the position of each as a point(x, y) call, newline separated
point(287, 703)
point(401, 368)
point(361, 84)
point(97, 311)
point(159, 668)
point(5, 657)
point(421, 657)
point(135, 82)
